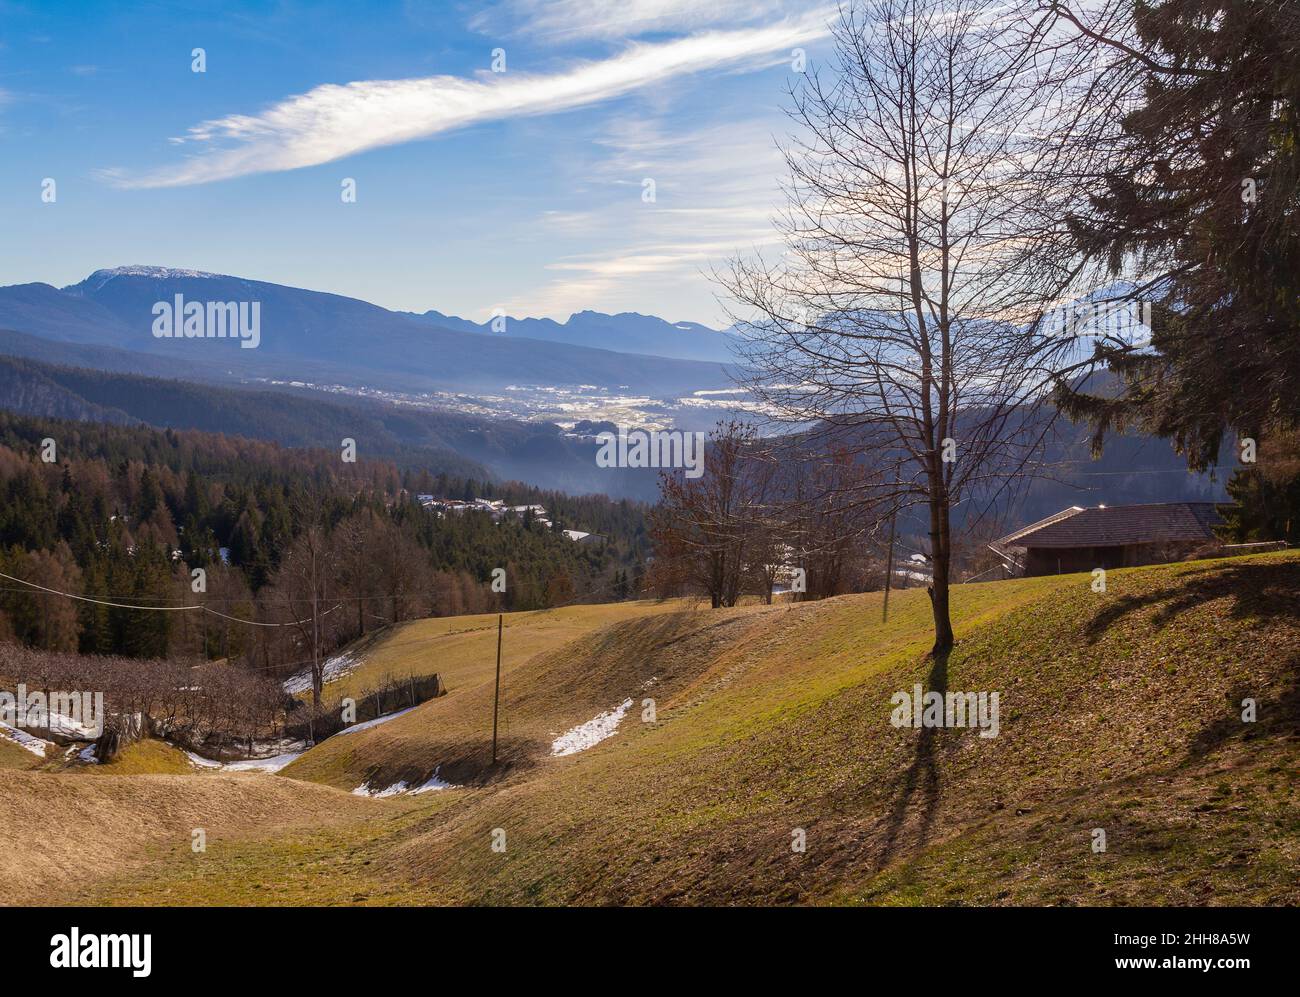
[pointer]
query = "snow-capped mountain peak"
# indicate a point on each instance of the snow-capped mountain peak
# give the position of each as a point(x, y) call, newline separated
point(101, 277)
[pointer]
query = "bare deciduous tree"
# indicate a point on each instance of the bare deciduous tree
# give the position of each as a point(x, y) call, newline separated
point(826, 521)
point(923, 247)
point(304, 587)
point(703, 528)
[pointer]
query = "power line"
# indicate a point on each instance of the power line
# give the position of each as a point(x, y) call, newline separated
point(99, 602)
point(158, 609)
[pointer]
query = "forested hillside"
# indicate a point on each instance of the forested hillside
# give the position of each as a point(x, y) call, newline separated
point(424, 437)
point(126, 514)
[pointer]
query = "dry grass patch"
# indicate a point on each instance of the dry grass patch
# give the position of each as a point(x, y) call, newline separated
point(61, 832)
point(14, 757)
point(463, 648)
point(550, 694)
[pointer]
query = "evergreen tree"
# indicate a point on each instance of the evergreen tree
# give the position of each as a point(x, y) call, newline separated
point(1205, 203)
point(1267, 496)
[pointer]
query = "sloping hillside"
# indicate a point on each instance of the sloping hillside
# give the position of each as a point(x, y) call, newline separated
point(1119, 711)
point(462, 649)
point(433, 439)
point(14, 757)
point(542, 697)
point(60, 834)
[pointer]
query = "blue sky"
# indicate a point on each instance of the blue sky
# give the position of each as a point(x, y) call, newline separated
point(475, 190)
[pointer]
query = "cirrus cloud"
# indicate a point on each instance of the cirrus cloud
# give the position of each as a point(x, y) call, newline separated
point(334, 121)
point(617, 19)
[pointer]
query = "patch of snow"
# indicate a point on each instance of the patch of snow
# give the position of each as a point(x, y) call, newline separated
point(21, 738)
point(374, 723)
point(912, 576)
point(591, 733)
point(290, 750)
point(262, 764)
point(398, 788)
point(75, 729)
point(87, 755)
point(333, 670)
point(433, 784)
point(267, 763)
point(162, 273)
point(379, 794)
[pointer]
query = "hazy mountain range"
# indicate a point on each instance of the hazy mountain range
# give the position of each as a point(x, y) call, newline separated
point(313, 335)
point(89, 353)
point(627, 332)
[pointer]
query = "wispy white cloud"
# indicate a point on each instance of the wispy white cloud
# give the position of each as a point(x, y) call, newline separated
point(615, 19)
point(717, 187)
point(334, 121)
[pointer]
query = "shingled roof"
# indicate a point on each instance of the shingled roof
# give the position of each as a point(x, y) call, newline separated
point(1116, 525)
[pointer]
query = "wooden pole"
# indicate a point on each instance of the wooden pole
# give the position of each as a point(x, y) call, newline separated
point(889, 566)
point(496, 695)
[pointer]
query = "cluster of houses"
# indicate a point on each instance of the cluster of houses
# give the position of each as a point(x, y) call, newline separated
point(498, 510)
point(495, 508)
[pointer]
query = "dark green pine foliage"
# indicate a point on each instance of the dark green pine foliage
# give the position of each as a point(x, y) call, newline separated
point(139, 508)
point(1208, 201)
point(1264, 509)
point(1267, 495)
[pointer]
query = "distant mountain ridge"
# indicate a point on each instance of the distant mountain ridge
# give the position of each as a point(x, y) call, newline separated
point(628, 332)
point(348, 339)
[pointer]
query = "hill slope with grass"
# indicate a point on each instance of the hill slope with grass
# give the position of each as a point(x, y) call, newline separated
point(1119, 711)
point(462, 649)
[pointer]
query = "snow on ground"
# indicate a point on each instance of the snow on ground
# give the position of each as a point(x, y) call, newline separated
point(591, 733)
point(57, 723)
point(285, 752)
point(290, 751)
point(21, 738)
point(334, 669)
point(378, 794)
point(374, 723)
point(432, 784)
point(76, 729)
point(87, 754)
point(273, 764)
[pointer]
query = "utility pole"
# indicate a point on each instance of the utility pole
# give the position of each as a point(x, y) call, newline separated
point(889, 565)
point(496, 694)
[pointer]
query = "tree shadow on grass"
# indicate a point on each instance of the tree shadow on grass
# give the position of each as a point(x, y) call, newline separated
point(1268, 590)
point(922, 776)
point(1277, 715)
point(1262, 590)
